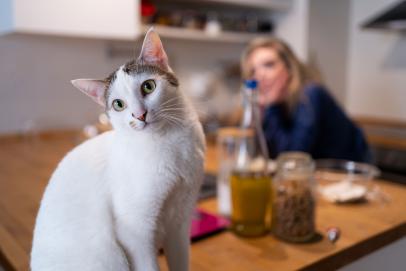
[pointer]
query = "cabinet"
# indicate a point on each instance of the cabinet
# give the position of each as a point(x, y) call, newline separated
point(110, 19)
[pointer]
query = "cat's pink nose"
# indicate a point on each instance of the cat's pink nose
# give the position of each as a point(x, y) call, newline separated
point(141, 117)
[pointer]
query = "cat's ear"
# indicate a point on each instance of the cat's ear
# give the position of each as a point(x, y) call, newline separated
point(95, 89)
point(153, 52)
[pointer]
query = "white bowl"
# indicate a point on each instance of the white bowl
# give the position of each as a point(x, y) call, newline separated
point(342, 181)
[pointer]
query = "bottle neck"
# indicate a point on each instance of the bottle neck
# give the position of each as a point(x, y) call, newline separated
point(251, 111)
point(251, 121)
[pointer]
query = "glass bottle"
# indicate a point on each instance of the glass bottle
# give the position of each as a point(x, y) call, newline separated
point(227, 141)
point(293, 200)
point(250, 181)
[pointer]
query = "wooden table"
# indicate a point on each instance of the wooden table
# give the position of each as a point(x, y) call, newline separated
point(27, 163)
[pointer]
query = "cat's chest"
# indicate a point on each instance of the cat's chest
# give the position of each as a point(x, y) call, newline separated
point(146, 163)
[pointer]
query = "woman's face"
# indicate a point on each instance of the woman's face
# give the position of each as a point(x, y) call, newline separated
point(265, 66)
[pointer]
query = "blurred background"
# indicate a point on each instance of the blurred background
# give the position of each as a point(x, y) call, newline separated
point(44, 44)
point(357, 46)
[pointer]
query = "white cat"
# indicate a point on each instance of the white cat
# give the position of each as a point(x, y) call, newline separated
point(115, 199)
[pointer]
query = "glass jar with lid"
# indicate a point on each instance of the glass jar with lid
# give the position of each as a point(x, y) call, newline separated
point(293, 217)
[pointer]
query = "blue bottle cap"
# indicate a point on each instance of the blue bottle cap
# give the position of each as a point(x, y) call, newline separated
point(251, 84)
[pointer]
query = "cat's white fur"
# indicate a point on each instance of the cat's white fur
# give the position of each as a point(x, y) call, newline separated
point(116, 198)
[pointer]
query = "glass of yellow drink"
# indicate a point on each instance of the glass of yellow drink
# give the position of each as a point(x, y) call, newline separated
point(251, 202)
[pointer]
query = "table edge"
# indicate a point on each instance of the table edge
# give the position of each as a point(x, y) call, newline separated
point(358, 250)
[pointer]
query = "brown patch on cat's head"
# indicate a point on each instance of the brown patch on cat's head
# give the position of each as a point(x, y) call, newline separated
point(136, 67)
point(109, 81)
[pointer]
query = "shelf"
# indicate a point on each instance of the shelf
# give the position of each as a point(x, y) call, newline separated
point(280, 5)
point(200, 35)
point(267, 4)
point(117, 21)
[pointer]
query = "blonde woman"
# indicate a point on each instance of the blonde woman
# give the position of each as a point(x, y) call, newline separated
point(298, 112)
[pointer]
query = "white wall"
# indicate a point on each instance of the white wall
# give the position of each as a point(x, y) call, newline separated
point(293, 27)
point(328, 42)
point(376, 67)
point(35, 74)
point(6, 13)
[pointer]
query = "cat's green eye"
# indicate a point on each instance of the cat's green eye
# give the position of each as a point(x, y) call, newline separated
point(119, 105)
point(148, 87)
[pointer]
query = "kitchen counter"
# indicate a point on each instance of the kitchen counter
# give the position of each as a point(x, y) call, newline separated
point(387, 139)
point(26, 164)
point(384, 133)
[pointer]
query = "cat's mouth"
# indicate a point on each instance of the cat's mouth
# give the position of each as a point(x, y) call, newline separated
point(139, 122)
point(138, 125)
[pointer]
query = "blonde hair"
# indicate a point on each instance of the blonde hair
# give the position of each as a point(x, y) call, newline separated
point(299, 73)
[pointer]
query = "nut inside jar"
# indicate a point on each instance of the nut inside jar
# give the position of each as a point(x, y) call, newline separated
point(294, 211)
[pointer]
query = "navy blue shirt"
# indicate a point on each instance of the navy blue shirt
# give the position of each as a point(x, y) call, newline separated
point(317, 126)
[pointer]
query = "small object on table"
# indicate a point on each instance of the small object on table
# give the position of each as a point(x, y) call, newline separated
point(344, 181)
point(333, 234)
point(205, 224)
point(344, 191)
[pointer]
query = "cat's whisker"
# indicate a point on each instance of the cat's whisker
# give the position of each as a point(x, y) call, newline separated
point(180, 106)
point(170, 100)
point(179, 124)
point(173, 104)
point(172, 115)
point(201, 111)
point(174, 110)
point(173, 122)
point(172, 119)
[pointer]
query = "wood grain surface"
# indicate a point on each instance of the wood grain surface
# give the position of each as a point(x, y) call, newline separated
point(385, 133)
point(26, 163)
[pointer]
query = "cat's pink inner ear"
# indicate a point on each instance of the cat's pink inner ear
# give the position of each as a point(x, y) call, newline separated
point(153, 52)
point(93, 88)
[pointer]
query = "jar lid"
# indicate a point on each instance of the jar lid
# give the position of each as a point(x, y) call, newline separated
point(295, 162)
